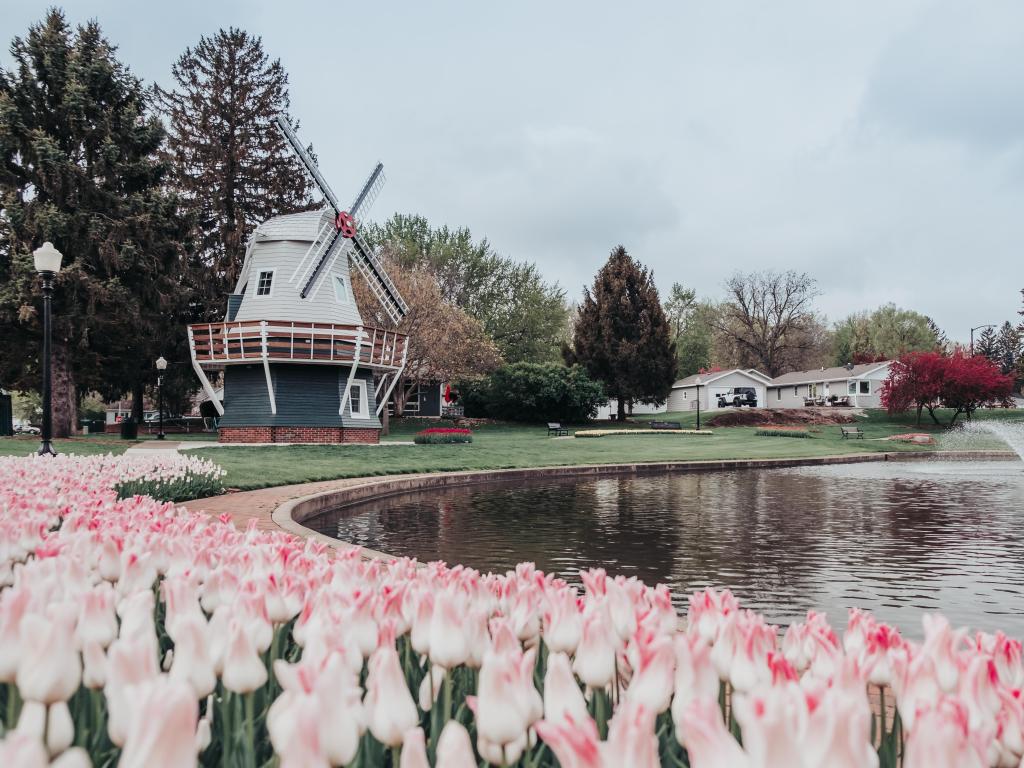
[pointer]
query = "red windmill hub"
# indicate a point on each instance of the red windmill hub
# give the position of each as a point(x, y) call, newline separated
point(345, 223)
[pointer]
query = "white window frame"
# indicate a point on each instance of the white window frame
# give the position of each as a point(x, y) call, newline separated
point(347, 290)
point(865, 387)
point(273, 280)
point(851, 387)
point(364, 403)
point(796, 391)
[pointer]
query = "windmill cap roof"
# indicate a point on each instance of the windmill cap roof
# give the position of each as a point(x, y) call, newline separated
point(302, 226)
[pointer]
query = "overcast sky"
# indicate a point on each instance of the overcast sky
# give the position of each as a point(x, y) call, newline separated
point(878, 146)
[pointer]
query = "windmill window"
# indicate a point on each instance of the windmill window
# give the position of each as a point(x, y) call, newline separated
point(265, 282)
point(341, 293)
point(357, 400)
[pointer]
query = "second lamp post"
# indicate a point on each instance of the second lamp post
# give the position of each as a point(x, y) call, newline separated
point(47, 263)
point(161, 366)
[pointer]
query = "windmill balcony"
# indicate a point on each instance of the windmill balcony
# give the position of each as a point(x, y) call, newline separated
point(253, 341)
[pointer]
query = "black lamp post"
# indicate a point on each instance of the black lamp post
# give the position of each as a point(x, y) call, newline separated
point(47, 262)
point(161, 366)
point(975, 328)
point(698, 383)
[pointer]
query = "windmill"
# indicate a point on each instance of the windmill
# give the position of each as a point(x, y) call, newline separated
point(292, 327)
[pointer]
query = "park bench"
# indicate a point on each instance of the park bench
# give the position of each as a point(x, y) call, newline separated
point(556, 429)
point(849, 432)
point(666, 425)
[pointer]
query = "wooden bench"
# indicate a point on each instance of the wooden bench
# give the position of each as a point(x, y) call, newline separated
point(849, 432)
point(666, 425)
point(556, 429)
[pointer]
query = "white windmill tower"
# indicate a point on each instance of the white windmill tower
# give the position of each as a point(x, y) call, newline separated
point(298, 363)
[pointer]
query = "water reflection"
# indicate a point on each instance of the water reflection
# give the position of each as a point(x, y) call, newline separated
point(894, 538)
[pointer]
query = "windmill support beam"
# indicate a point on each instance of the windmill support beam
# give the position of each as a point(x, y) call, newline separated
point(207, 386)
point(266, 369)
point(351, 373)
point(382, 403)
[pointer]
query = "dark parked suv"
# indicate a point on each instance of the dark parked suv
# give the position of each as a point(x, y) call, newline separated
point(738, 396)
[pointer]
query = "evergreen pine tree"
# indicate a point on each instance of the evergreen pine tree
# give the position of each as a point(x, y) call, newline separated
point(232, 166)
point(622, 336)
point(1008, 347)
point(79, 166)
point(986, 345)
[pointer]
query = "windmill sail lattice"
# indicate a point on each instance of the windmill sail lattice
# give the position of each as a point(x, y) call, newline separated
point(344, 238)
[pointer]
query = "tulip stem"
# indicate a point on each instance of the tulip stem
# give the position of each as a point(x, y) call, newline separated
point(396, 756)
point(250, 735)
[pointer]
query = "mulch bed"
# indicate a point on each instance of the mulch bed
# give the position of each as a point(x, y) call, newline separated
point(780, 417)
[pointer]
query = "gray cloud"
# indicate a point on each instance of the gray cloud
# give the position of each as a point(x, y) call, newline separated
point(877, 145)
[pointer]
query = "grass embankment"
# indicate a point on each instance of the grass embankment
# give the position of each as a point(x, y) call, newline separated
point(504, 446)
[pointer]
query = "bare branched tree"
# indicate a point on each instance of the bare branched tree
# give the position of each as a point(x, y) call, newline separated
point(769, 320)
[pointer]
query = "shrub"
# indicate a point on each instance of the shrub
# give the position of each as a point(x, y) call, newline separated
point(782, 433)
point(442, 435)
point(535, 392)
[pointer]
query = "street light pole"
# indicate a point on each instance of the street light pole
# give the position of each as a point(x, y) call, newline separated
point(698, 382)
point(161, 366)
point(47, 263)
point(975, 328)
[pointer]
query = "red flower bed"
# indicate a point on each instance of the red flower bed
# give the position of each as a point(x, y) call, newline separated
point(442, 435)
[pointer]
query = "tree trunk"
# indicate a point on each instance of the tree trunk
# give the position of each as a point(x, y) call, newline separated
point(919, 409)
point(931, 412)
point(956, 413)
point(65, 398)
point(138, 406)
point(621, 404)
point(400, 394)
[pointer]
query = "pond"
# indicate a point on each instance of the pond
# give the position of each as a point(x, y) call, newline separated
point(897, 538)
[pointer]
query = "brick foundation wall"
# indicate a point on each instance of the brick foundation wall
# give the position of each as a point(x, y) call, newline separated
point(322, 435)
point(355, 435)
point(246, 435)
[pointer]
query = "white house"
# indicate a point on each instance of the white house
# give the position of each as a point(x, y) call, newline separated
point(719, 389)
point(861, 385)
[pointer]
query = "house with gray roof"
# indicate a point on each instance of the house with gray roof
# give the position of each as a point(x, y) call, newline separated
point(719, 389)
point(861, 385)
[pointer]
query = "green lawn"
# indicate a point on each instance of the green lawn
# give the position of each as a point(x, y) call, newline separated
point(510, 446)
point(87, 445)
point(506, 446)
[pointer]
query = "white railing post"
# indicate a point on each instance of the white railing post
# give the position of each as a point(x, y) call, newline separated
point(266, 367)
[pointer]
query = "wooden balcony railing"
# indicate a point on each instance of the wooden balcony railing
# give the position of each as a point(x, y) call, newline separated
point(253, 341)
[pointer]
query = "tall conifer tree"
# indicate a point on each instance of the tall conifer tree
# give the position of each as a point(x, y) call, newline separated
point(79, 166)
point(232, 166)
point(622, 336)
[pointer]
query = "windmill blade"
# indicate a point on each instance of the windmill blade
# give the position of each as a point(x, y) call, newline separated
point(336, 242)
point(311, 167)
point(366, 197)
point(377, 279)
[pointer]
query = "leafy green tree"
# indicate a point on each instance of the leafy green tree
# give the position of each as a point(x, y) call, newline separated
point(232, 166)
point(884, 334)
point(622, 336)
point(80, 166)
point(535, 392)
point(690, 321)
point(524, 315)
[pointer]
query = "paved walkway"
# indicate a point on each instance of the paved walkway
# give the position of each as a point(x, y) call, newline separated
point(260, 505)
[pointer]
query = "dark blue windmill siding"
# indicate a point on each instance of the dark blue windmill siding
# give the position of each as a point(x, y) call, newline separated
point(306, 396)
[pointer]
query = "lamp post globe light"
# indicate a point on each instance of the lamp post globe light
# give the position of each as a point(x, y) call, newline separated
point(161, 366)
point(47, 262)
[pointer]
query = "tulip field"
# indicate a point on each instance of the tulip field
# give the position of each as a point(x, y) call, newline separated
point(136, 633)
